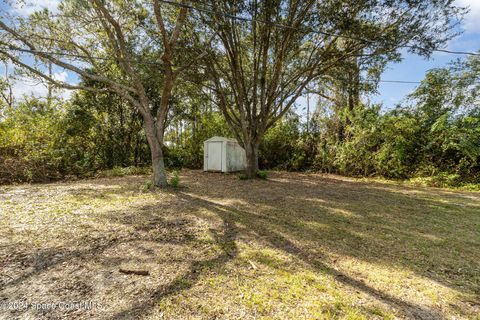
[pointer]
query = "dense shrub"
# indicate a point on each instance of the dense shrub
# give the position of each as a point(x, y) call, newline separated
point(262, 174)
point(400, 144)
point(434, 137)
point(287, 146)
point(27, 143)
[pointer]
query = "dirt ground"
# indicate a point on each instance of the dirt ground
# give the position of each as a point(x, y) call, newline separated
point(295, 246)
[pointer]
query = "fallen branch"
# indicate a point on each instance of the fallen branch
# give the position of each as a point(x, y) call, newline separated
point(137, 272)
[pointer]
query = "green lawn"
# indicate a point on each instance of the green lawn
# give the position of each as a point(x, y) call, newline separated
point(296, 246)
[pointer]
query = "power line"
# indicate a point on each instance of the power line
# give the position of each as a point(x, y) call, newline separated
point(408, 81)
point(156, 63)
point(73, 55)
point(399, 81)
point(282, 26)
point(237, 18)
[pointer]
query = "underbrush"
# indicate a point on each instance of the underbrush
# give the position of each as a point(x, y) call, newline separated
point(444, 180)
point(121, 172)
point(20, 171)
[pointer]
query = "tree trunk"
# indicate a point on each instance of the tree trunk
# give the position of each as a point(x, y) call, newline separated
point(251, 150)
point(158, 164)
point(159, 172)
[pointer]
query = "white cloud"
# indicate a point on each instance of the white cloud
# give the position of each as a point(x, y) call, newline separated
point(26, 87)
point(26, 8)
point(32, 87)
point(471, 23)
point(38, 90)
point(60, 76)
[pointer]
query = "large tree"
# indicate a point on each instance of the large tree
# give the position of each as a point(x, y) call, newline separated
point(128, 47)
point(265, 53)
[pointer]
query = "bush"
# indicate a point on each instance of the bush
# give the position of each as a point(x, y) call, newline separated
point(28, 136)
point(175, 179)
point(147, 185)
point(242, 176)
point(278, 149)
point(262, 175)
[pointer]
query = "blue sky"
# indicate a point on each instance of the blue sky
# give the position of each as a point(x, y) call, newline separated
point(412, 68)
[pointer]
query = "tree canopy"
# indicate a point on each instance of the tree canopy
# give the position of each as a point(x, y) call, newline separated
point(266, 53)
point(175, 63)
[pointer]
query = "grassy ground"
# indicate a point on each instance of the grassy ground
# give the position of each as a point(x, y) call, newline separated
point(297, 246)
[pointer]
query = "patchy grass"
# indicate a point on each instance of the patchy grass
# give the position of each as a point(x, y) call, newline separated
point(294, 246)
point(123, 171)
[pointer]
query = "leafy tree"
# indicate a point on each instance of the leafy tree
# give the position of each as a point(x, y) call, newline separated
point(280, 147)
point(102, 132)
point(6, 91)
point(453, 89)
point(109, 43)
point(26, 154)
point(447, 103)
point(265, 53)
point(436, 134)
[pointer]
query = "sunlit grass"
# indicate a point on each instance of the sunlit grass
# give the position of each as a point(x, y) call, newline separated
point(295, 246)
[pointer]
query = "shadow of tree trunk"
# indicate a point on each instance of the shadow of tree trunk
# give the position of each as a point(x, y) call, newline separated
point(224, 239)
point(265, 229)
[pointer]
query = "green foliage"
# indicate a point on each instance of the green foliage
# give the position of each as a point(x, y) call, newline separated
point(147, 185)
point(402, 144)
point(395, 156)
point(242, 176)
point(349, 152)
point(103, 132)
point(91, 135)
point(436, 136)
point(286, 147)
point(279, 146)
point(42, 142)
point(175, 157)
point(262, 174)
point(27, 143)
point(175, 179)
point(433, 140)
point(123, 171)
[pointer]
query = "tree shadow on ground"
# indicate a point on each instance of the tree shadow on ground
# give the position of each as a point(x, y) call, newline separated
point(432, 233)
point(224, 238)
point(98, 259)
point(302, 215)
point(250, 222)
point(433, 236)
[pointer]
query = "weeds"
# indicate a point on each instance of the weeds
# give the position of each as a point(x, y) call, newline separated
point(262, 175)
point(242, 176)
point(175, 179)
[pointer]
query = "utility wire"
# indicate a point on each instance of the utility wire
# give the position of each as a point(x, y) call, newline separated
point(155, 63)
point(282, 26)
point(72, 55)
point(79, 56)
point(398, 81)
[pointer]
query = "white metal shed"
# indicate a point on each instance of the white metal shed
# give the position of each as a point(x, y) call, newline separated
point(223, 155)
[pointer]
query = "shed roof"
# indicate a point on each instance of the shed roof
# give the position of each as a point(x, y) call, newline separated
point(221, 139)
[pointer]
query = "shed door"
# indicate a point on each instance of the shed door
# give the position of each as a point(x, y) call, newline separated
point(215, 156)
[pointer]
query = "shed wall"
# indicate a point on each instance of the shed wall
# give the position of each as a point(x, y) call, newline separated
point(230, 155)
point(236, 158)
